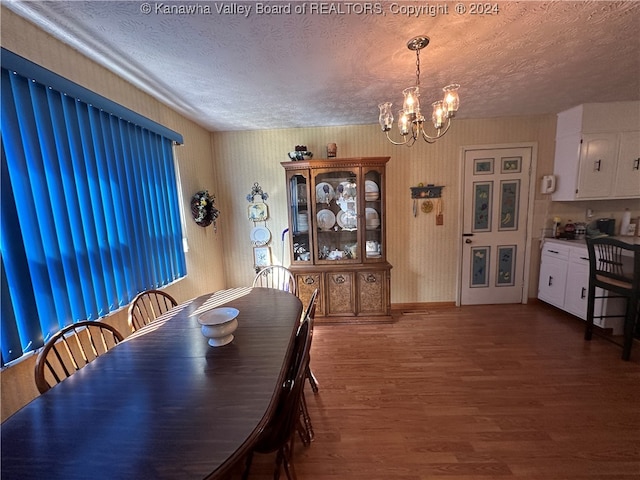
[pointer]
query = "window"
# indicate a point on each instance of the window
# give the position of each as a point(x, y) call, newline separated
point(89, 206)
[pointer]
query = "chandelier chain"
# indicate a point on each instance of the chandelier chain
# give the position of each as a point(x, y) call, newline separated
point(417, 68)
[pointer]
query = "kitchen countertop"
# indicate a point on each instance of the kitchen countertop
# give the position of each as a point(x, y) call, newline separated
point(630, 240)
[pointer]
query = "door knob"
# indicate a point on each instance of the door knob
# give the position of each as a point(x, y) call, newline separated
point(467, 240)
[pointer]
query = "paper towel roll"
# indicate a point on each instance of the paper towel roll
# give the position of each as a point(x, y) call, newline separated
point(624, 224)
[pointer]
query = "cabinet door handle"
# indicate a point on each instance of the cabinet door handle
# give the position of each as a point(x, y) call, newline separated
point(309, 280)
point(553, 251)
point(636, 164)
point(371, 278)
point(340, 279)
point(550, 280)
point(596, 165)
point(584, 258)
point(583, 293)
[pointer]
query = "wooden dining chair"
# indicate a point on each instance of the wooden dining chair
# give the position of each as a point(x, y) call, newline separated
point(614, 266)
point(279, 433)
point(276, 276)
point(70, 349)
point(147, 306)
point(305, 428)
point(310, 312)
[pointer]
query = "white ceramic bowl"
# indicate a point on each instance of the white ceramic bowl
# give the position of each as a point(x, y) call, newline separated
point(218, 325)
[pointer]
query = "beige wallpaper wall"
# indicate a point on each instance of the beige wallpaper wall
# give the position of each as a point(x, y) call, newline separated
point(423, 255)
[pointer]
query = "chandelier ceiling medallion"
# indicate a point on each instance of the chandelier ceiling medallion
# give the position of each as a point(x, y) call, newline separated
point(411, 122)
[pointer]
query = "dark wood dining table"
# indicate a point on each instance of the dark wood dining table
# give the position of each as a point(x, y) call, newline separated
point(162, 403)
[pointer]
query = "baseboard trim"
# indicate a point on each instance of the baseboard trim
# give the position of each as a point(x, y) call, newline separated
point(415, 308)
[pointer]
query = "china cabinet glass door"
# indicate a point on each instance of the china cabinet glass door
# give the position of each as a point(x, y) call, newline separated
point(337, 222)
point(373, 215)
point(299, 215)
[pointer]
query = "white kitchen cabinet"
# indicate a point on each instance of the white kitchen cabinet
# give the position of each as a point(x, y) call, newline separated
point(577, 290)
point(564, 283)
point(553, 273)
point(597, 152)
point(598, 161)
point(627, 181)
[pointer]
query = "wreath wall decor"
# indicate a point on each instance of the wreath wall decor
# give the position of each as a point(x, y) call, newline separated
point(204, 210)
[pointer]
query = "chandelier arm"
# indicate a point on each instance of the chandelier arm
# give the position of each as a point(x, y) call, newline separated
point(431, 139)
point(406, 140)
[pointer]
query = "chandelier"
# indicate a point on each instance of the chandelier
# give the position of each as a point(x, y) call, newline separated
point(411, 122)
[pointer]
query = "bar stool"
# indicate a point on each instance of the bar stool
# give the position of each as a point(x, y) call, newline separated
point(614, 266)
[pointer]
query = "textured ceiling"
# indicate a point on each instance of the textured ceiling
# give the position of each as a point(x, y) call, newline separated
point(228, 70)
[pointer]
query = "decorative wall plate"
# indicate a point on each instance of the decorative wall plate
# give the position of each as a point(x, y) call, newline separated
point(260, 235)
point(427, 206)
point(258, 212)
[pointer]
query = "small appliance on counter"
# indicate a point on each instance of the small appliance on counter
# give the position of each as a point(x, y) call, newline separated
point(607, 226)
point(570, 230)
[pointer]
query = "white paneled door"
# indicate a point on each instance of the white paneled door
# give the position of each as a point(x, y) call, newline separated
point(496, 196)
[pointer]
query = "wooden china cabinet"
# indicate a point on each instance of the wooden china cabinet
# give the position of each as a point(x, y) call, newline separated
point(337, 224)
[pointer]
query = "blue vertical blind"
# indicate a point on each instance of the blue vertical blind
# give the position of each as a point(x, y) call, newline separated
point(89, 214)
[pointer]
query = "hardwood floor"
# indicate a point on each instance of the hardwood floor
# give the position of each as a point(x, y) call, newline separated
point(470, 393)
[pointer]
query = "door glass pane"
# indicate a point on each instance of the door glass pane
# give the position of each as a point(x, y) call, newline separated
point(483, 166)
point(480, 266)
point(509, 194)
point(482, 198)
point(506, 266)
point(511, 165)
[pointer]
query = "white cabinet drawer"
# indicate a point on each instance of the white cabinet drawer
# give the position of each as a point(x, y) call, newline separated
point(580, 256)
point(556, 250)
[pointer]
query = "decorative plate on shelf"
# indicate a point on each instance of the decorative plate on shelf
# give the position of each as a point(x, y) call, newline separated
point(347, 205)
point(325, 193)
point(372, 218)
point(371, 214)
point(346, 220)
point(371, 189)
point(347, 190)
point(260, 235)
point(326, 219)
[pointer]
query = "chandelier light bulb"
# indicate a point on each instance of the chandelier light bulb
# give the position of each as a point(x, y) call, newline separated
point(411, 103)
point(438, 115)
point(451, 99)
point(403, 123)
